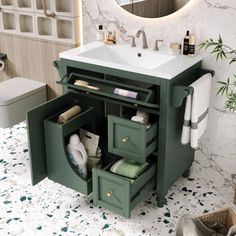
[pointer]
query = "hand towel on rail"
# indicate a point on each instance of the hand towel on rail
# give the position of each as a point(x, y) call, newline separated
point(196, 111)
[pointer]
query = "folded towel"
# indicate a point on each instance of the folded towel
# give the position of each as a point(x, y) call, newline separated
point(196, 111)
point(67, 115)
point(128, 168)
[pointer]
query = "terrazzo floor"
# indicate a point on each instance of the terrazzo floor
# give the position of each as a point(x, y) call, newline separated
point(51, 209)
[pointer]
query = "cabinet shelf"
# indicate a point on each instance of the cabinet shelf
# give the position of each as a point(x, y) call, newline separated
point(106, 89)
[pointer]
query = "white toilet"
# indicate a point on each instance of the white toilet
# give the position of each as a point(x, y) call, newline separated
point(18, 95)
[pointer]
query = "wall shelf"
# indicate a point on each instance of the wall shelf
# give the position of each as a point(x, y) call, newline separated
point(63, 6)
point(26, 17)
point(26, 24)
point(7, 4)
point(67, 8)
point(25, 5)
point(9, 21)
point(44, 27)
point(38, 6)
point(64, 29)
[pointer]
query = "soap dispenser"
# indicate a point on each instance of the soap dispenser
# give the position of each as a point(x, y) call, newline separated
point(78, 155)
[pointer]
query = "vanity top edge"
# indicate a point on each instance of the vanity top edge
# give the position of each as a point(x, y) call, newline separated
point(168, 70)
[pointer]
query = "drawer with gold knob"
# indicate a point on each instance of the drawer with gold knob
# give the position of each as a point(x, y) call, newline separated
point(130, 139)
point(120, 194)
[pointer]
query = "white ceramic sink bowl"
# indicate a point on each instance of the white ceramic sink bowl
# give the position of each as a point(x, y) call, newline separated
point(137, 60)
point(128, 56)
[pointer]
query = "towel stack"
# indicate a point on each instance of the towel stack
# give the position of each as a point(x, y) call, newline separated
point(196, 111)
point(128, 168)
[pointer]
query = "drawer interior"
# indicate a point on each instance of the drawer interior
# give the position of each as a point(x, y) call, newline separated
point(121, 194)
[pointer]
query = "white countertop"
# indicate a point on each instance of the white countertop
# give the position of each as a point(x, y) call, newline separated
point(168, 70)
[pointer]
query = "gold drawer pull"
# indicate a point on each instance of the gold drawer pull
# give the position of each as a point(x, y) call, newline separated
point(109, 194)
point(125, 139)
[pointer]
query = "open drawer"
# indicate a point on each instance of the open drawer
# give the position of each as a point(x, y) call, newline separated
point(120, 194)
point(130, 139)
point(106, 88)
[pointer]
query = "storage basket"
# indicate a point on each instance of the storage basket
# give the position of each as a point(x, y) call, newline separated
point(224, 216)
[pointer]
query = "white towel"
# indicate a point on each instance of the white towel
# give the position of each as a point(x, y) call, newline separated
point(196, 111)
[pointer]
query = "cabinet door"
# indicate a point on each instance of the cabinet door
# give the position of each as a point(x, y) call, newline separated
point(35, 124)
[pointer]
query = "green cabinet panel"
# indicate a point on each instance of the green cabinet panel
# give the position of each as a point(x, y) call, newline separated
point(35, 124)
point(58, 165)
point(120, 194)
point(130, 139)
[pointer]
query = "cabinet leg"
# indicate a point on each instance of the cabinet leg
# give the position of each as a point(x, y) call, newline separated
point(186, 173)
point(161, 201)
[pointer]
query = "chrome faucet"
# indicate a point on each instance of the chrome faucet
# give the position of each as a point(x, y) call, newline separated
point(144, 38)
point(156, 47)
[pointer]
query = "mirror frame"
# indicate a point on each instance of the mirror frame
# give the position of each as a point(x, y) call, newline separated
point(143, 13)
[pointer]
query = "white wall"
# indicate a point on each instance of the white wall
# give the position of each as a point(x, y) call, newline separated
point(205, 18)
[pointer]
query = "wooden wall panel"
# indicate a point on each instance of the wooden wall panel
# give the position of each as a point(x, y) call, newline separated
point(32, 58)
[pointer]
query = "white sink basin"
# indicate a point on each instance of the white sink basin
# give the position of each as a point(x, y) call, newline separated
point(123, 57)
point(128, 56)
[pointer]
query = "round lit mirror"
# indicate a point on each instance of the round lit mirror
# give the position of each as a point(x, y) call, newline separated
point(152, 8)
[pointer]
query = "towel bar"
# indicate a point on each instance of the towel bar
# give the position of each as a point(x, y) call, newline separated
point(205, 71)
point(179, 93)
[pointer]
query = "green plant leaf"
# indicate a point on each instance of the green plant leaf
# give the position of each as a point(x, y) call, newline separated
point(202, 45)
point(232, 60)
point(222, 51)
point(220, 39)
point(222, 82)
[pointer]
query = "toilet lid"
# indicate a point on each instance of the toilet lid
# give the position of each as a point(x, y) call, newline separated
point(15, 89)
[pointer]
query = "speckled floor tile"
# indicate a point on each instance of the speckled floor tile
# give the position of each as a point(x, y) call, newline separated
point(52, 209)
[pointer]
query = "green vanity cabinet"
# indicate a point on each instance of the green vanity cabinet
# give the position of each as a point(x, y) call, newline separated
point(131, 140)
point(105, 113)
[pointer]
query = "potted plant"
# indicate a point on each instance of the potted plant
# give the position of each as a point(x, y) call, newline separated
point(223, 51)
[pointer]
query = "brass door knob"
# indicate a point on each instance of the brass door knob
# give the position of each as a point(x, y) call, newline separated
point(109, 194)
point(125, 139)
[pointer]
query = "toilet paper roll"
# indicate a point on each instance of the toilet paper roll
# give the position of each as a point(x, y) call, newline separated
point(2, 65)
point(75, 110)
